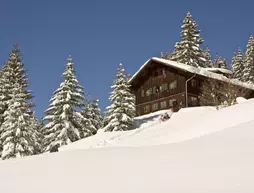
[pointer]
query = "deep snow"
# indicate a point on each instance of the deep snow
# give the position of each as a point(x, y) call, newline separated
point(199, 150)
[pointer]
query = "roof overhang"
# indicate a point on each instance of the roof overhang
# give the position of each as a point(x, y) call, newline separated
point(187, 68)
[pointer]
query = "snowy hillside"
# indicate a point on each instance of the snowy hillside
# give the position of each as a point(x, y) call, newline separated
point(186, 124)
point(198, 150)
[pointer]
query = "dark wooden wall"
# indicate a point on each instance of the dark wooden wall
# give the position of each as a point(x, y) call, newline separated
point(158, 75)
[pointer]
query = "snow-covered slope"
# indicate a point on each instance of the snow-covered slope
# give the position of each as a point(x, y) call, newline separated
point(208, 151)
point(186, 124)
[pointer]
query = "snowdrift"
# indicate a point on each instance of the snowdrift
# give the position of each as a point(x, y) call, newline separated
point(208, 151)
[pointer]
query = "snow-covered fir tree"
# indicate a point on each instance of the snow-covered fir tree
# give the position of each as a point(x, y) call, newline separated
point(18, 136)
point(188, 50)
point(87, 109)
point(219, 62)
point(92, 112)
point(38, 136)
point(65, 123)
point(166, 56)
point(238, 65)
point(233, 59)
point(248, 72)
point(97, 116)
point(120, 114)
point(224, 64)
point(207, 56)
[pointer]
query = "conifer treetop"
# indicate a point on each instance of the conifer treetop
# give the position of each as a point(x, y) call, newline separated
point(188, 50)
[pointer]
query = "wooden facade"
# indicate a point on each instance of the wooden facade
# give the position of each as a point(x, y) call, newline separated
point(158, 86)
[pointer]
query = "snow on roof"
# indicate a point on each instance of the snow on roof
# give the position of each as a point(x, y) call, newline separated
point(222, 70)
point(199, 71)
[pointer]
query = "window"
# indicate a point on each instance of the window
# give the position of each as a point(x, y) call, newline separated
point(163, 87)
point(154, 90)
point(166, 86)
point(193, 100)
point(142, 93)
point(193, 83)
point(146, 109)
point(173, 85)
point(163, 104)
point(155, 106)
point(149, 92)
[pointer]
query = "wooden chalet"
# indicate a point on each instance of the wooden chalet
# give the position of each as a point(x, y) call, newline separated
point(160, 84)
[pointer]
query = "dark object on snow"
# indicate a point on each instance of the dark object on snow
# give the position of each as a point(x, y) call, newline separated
point(164, 117)
point(54, 148)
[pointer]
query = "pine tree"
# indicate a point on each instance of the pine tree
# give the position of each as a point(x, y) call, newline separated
point(18, 137)
point(65, 124)
point(248, 72)
point(97, 120)
point(219, 62)
point(224, 64)
point(38, 136)
point(87, 113)
point(207, 56)
point(166, 56)
point(87, 110)
point(120, 114)
point(188, 50)
point(238, 65)
point(92, 112)
point(233, 60)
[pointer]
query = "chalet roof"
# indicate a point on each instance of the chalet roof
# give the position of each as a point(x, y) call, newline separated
point(187, 68)
point(222, 70)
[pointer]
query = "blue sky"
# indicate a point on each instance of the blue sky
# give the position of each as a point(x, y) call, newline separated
point(101, 34)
